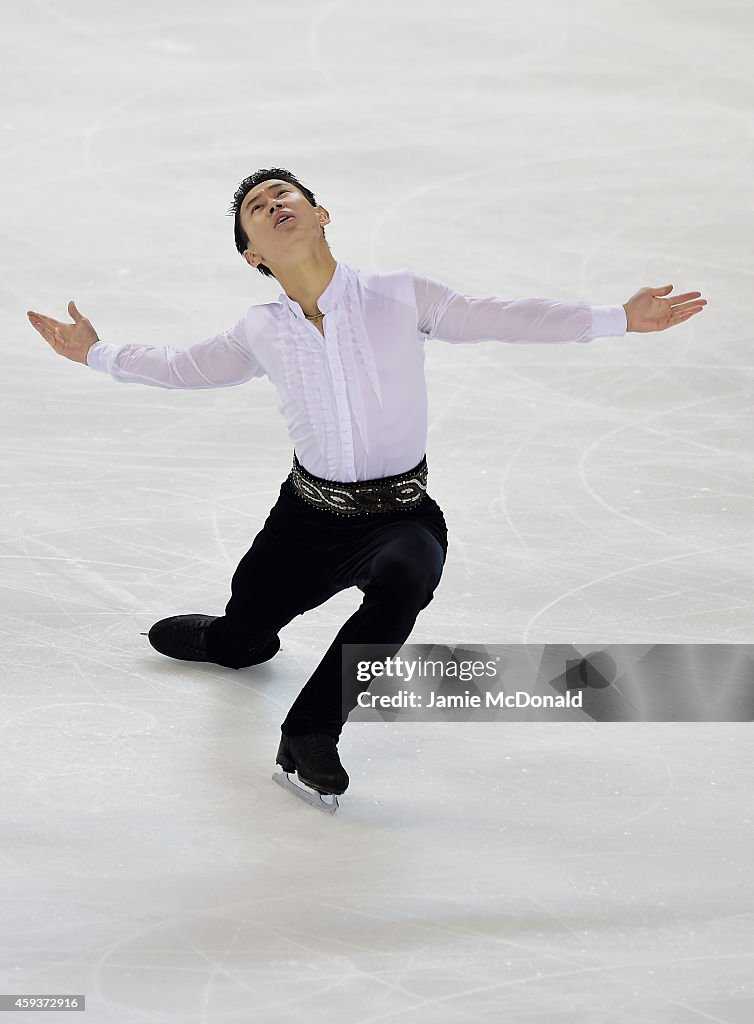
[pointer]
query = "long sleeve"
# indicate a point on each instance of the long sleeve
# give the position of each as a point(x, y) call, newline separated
point(456, 317)
point(218, 362)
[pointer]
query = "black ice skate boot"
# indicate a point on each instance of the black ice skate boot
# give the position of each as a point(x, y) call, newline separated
point(184, 637)
point(315, 758)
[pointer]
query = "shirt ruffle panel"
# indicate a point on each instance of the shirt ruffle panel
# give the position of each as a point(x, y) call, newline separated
point(343, 465)
point(359, 368)
point(361, 345)
point(306, 383)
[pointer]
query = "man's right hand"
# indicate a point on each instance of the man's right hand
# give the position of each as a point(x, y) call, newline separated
point(70, 340)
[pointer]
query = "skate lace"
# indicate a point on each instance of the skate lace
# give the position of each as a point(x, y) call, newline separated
point(320, 745)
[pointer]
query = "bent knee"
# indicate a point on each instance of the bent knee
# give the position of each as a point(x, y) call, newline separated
point(408, 578)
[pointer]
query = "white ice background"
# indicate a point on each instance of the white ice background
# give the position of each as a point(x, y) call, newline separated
point(571, 873)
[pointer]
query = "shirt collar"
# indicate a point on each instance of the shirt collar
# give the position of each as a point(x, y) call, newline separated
point(327, 299)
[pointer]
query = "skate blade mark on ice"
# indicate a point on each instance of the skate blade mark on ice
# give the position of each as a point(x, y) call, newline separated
point(303, 792)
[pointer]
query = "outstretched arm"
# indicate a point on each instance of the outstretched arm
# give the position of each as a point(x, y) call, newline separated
point(454, 316)
point(218, 362)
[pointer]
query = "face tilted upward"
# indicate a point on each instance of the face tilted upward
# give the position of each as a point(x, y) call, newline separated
point(265, 228)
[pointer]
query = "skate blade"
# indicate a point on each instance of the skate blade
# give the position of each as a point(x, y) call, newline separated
point(310, 796)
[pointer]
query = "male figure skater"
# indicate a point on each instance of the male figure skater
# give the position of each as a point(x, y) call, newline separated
point(345, 349)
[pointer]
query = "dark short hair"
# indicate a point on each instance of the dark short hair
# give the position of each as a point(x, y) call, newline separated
point(265, 174)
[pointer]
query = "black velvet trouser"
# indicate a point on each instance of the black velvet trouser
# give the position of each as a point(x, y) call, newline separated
point(304, 555)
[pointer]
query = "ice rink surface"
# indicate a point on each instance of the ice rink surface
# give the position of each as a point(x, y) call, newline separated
point(559, 873)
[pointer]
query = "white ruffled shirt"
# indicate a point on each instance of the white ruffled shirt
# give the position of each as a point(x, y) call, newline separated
point(356, 399)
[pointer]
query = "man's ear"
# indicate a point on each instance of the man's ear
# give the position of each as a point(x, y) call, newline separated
point(249, 256)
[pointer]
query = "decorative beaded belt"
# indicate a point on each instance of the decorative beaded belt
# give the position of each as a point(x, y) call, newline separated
point(385, 494)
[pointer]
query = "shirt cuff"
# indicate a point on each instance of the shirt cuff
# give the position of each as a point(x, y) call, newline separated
point(100, 356)
point(608, 321)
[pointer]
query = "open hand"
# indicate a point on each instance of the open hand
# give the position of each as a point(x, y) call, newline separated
point(70, 340)
point(649, 311)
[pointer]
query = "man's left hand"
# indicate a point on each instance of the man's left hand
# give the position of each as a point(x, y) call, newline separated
point(653, 309)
